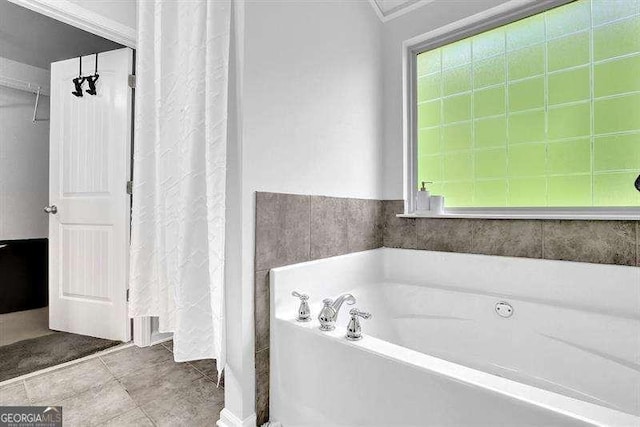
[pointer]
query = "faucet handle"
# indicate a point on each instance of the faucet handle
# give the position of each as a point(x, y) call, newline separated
point(354, 330)
point(327, 302)
point(303, 297)
point(304, 312)
point(355, 312)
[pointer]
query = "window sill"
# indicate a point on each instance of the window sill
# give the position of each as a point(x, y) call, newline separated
point(591, 214)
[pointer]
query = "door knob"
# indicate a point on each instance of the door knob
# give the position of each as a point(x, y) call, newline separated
point(53, 209)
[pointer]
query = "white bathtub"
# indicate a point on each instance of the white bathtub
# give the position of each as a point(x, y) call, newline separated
point(437, 353)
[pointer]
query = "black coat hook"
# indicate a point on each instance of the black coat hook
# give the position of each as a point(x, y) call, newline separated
point(78, 81)
point(638, 183)
point(93, 79)
point(92, 84)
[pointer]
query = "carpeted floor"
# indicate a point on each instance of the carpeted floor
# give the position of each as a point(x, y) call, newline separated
point(24, 325)
point(34, 354)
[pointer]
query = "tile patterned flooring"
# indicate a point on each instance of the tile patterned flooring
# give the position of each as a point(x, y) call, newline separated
point(129, 387)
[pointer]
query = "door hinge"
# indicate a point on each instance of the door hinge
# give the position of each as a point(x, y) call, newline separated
point(132, 81)
point(129, 187)
point(127, 295)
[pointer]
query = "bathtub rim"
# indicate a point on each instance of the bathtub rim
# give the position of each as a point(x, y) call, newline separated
point(567, 406)
point(383, 254)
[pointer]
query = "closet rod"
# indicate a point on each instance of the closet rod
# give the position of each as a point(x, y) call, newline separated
point(27, 87)
point(22, 85)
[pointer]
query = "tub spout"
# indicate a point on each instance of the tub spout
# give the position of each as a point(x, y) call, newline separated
point(329, 313)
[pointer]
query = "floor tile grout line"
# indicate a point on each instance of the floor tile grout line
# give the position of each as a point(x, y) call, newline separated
point(165, 347)
point(26, 390)
point(126, 412)
point(195, 369)
point(190, 364)
point(107, 368)
point(141, 406)
point(153, 422)
point(207, 377)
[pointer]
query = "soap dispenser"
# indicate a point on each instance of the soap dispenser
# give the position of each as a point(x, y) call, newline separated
point(422, 200)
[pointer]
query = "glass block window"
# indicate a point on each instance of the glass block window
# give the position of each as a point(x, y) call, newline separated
point(543, 112)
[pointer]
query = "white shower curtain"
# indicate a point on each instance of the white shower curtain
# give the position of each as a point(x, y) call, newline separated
point(179, 168)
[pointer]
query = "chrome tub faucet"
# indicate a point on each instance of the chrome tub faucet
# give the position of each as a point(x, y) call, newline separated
point(329, 313)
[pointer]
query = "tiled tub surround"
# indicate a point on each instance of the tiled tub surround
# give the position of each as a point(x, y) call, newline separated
point(601, 242)
point(297, 228)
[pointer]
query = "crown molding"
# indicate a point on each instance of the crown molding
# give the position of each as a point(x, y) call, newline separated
point(79, 17)
point(397, 11)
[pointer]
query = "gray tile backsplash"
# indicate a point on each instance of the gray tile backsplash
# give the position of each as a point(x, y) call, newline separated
point(444, 234)
point(638, 243)
point(518, 238)
point(398, 232)
point(262, 386)
point(297, 228)
point(261, 301)
point(365, 223)
point(282, 229)
point(329, 222)
point(602, 242)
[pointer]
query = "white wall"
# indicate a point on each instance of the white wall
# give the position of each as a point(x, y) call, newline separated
point(24, 156)
point(121, 11)
point(310, 123)
point(312, 98)
point(319, 113)
point(419, 21)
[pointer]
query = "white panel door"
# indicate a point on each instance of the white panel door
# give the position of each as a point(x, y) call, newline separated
point(89, 169)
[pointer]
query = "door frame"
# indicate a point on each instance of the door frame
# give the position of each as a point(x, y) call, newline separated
point(79, 17)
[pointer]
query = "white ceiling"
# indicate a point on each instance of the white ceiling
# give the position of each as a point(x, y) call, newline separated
point(37, 40)
point(389, 9)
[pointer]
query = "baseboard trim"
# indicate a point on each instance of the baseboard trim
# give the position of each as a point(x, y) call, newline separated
point(160, 339)
point(157, 338)
point(227, 419)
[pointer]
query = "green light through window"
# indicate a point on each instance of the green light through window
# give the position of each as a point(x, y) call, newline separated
point(543, 112)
